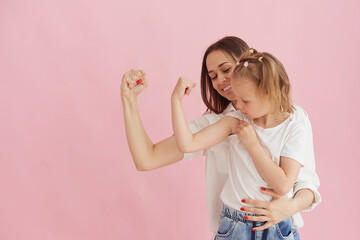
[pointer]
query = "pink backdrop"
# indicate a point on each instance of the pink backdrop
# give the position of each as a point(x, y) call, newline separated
point(65, 168)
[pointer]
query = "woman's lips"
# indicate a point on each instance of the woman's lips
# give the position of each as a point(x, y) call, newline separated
point(227, 88)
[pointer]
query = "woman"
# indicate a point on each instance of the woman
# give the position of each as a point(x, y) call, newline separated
point(218, 63)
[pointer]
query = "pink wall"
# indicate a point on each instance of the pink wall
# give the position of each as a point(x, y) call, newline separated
point(65, 169)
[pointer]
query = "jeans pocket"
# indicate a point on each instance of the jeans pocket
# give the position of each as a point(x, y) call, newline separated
point(284, 229)
point(226, 227)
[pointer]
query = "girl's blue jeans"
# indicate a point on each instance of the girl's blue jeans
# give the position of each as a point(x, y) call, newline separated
point(234, 226)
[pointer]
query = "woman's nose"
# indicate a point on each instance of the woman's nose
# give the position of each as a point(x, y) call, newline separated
point(222, 78)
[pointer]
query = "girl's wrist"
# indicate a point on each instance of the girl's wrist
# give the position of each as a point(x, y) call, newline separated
point(253, 147)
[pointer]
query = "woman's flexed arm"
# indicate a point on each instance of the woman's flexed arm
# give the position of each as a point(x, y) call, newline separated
point(146, 155)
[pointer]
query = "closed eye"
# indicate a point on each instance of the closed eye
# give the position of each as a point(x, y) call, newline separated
point(225, 71)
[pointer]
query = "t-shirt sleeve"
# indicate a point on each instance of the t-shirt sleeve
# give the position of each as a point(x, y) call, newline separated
point(308, 178)
point(295, 144)
point(236, 114)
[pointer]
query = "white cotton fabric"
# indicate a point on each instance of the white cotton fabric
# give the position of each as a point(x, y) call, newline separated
point(288, 139)
point(217, 160)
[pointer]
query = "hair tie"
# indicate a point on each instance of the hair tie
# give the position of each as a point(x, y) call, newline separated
point(237, 63)
point(251, 51)
point(246, 64)
point(260, 59)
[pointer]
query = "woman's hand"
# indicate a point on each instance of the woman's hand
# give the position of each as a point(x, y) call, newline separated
point(246, 134)
point(272, 212)
point(133, 83)
point(182, 88)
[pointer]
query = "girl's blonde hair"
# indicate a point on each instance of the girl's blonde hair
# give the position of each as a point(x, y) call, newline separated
point(269, 75)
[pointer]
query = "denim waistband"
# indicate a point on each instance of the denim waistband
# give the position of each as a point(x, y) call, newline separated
point(237, 215)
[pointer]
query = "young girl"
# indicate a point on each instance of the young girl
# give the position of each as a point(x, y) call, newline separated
point(267, 144)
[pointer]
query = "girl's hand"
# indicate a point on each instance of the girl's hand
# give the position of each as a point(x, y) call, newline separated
point(279, 209)
point(133, 83)
point(182, 88)
point(246, 134)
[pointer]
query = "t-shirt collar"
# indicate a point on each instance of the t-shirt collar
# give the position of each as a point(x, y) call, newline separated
point(229, 108)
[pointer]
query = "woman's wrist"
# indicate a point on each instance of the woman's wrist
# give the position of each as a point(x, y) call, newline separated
point(293, 206)
point(302, 199)
point(175, 99)
point(129, 102)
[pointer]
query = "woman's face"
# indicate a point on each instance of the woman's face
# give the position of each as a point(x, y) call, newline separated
point(220, 67)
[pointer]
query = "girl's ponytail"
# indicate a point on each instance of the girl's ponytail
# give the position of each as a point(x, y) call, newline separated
point(269, 75)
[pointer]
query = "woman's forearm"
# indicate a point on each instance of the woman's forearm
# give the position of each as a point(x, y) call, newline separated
point(146, 155)
point(303, 199)
point(279, 208)
point(135, 132)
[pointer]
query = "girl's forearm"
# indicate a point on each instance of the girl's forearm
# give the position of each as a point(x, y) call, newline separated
point(273, 174)
point(183, 135)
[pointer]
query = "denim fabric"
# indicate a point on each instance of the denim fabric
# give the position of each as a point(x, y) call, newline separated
point(296, 234)
point(234, 226)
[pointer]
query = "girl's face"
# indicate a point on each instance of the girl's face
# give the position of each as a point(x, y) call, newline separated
point(220, 68)
point(248, 99)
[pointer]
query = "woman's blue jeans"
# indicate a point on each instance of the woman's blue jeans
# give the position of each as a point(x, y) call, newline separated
point(234, 226)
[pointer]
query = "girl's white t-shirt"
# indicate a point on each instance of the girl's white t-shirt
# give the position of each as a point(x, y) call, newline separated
point(288, 139)
point(217, 160)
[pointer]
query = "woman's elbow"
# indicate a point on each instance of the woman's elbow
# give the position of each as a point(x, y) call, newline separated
point(140, 168)
point(143, 167)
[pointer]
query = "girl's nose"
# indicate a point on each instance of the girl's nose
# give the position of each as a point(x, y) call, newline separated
point(239, 104)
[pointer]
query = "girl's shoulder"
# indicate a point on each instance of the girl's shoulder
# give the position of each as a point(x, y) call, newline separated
point(299, 112)
point(237, 115)
point(300, 115)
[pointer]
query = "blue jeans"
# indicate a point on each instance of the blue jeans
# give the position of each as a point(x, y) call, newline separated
point(234, 226)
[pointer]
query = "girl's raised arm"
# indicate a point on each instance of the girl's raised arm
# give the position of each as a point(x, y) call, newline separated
point(207, 137)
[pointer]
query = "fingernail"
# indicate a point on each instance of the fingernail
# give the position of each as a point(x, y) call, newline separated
point(254, 229)
point(263, 189)
point(242, 209)
point(139, 81)
point(246, 217)
point(243, 200)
